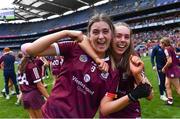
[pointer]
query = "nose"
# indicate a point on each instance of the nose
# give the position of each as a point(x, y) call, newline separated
point(101, 35)
point(122, 38)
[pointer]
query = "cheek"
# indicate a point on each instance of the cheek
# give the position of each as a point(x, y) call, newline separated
point(92, 42)
point(114, 47)
point(128, 43)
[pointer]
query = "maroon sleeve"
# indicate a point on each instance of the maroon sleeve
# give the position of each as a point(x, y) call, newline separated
point(35, 75)
point(66, 48)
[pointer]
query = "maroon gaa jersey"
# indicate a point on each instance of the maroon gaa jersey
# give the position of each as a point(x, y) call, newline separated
point(173, 71)
point(80, 87)
point(133, 110)
point(29, 78)
point(57, 61)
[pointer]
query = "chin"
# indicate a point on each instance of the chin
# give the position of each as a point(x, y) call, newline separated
point(120, 52)
point(102, 49)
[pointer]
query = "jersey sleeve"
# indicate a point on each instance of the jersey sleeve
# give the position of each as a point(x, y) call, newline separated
point(35, 75)
point(166, 52)
point(65, 48)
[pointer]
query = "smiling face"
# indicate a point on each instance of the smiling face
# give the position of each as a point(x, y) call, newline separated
point(122, 40)
point(100, 36)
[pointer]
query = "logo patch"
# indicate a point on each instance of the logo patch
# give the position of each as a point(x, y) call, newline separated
point(105, 75)
point(83, 58)
point(87, 78)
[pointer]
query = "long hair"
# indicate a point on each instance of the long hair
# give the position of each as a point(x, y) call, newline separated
point(103, 17)
point(165, 41)
point(24, 62)
point(22, 65)
point(124, 61)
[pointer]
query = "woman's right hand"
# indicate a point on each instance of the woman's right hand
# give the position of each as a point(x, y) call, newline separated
point(102, 65)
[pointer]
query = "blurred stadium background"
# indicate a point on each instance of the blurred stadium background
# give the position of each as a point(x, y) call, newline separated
point(149, 19)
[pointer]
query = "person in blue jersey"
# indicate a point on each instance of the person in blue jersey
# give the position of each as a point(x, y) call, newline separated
point(9, 71)
point(160, 60)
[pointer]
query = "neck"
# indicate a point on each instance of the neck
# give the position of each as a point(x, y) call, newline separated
point(117, 57)
point(101, 55)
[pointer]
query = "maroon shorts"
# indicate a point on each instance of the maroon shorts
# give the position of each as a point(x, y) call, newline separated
point(173, 72)
point(32, 99)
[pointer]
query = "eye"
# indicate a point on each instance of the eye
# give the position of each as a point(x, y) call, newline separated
point(118, 35)
point(106, 31)
point(127, 36)
point(95, 32)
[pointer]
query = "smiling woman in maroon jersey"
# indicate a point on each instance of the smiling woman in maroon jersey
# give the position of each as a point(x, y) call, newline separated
point(81, 85)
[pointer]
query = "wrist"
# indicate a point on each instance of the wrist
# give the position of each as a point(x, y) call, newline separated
point(131, 98)
point(138, 78)
point(96, 59)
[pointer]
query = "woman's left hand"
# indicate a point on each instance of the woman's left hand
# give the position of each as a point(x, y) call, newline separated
point(136, 65)
point(102, 65)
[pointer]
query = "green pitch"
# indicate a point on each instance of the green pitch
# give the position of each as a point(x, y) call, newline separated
point(150, 109)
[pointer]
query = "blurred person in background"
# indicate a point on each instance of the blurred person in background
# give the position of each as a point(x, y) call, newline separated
point(55, 66)
point(171, 69)
point(178, 51)
point(160, 60)
point(9, 70)
point(32, 88)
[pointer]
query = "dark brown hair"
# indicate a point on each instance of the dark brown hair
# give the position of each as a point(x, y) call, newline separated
point(100, 17)
point(124, 61)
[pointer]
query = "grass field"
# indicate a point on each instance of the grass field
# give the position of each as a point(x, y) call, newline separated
point(150, 109)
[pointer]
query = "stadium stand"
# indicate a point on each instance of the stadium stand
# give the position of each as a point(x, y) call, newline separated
point(149, 19)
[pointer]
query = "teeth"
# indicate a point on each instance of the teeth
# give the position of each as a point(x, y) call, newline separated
point(121, 46)
point(100, 42)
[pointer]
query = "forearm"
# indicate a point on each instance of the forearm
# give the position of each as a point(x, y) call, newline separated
point(43, 90)
point(107, 107)
point(85, 45)
point(45, 42)
point(167, 65)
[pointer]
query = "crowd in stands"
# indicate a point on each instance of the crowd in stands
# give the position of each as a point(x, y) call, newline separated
point(155, 34)
point(111, 8)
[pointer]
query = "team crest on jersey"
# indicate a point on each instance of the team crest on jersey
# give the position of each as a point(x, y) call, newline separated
point(87, 78)
point(83, 58)
point(104, 75)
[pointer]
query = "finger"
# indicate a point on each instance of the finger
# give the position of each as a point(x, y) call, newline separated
point(100, 64)
point(106, 67)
